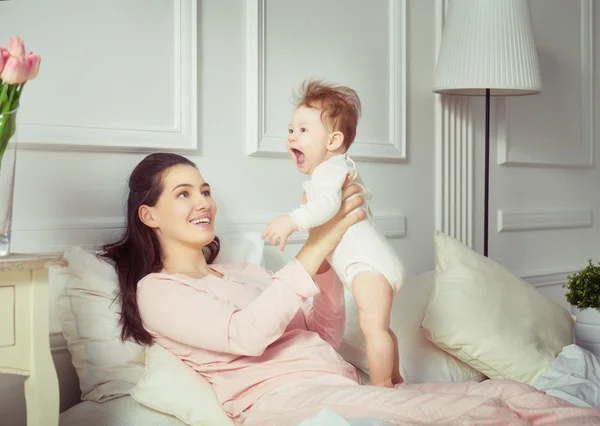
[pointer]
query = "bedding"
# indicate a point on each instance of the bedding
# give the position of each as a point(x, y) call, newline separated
point(574, 376)
point(328, 417)
point(106, 367)
point(495, 399)
point(122, 411)
point(444, 400)
point(491, 402)
point(491, 319)
point(190, 398)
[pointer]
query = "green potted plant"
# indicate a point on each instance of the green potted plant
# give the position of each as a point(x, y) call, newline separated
point(584, 295)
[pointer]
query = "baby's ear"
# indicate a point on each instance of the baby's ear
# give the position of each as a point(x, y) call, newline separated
point(336, 141)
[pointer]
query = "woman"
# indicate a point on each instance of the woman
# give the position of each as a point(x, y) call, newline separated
point(268, 351)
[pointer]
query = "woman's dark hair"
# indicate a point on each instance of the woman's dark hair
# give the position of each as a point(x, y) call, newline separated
point(138, 252)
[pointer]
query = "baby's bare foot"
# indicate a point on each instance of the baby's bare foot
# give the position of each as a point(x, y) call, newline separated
point(397, 380)
point(384, 384)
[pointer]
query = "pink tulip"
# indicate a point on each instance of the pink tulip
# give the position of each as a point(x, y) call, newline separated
point(16, 47)
point(15, 70)
point(4, 55)
point(33, 62)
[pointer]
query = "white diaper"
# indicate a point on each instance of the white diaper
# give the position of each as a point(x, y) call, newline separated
point(364, 248)
point(355, 268)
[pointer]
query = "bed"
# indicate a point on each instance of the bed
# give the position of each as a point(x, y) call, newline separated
point(124, 384)
point(122, 411)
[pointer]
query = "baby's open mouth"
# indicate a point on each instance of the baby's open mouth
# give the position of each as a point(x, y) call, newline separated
point(299, 156)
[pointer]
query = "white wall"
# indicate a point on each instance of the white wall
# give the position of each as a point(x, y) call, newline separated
point(71, 183)
point(545, 202)
point(67, 194)
point(74, 195)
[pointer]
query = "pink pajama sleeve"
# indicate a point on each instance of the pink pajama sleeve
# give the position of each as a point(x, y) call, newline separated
point(175, 310)
point(326, 315)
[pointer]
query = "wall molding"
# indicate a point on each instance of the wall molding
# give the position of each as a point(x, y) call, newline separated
point(67, 223)
point(548, 279)
point(391, 225)
point(259, 144)
point(509, 156)
point(454, 166)
point(544, 219)
point(183, 137)
point(55, 235)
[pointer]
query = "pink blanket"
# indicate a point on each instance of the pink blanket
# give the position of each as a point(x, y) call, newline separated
point(492, 402)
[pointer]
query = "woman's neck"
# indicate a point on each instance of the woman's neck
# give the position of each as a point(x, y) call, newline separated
point(186, 260)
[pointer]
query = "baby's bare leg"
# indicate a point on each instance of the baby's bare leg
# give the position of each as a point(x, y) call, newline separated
point(396, 376)
point(374, 296)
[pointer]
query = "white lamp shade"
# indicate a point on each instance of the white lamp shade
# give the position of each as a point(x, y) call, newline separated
point(488, 44)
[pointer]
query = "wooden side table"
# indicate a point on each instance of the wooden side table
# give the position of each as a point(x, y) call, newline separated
point(24, 333)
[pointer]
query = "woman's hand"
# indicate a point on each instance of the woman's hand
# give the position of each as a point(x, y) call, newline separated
point(324, 238)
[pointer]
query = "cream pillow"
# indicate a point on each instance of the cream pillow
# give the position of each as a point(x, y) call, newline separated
point(107, 367)
point(170, 386)
point(420, 360)
point(489, 318)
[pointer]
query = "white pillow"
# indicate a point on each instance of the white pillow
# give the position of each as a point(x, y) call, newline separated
point(246, 247)
point(89, 312)
point(420, 360)
point(489, 318)
point(107, 368)
point(170, 386)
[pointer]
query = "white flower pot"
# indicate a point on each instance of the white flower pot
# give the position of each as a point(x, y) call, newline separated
point(587, 329)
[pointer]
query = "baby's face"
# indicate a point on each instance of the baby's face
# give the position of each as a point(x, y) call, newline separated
point(307, 139)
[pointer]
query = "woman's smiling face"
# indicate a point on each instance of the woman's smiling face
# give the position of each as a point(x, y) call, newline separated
point(185, 211)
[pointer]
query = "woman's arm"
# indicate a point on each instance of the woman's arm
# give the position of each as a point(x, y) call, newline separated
point(326, 315)
point(177, 311)
point(173, 309)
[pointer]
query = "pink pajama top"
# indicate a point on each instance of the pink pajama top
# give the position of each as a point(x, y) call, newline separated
point(251, 331)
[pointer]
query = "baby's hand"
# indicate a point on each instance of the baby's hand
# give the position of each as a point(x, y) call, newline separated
point(280, 229)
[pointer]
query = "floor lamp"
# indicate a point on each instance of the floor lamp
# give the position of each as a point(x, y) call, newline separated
point(487, 49)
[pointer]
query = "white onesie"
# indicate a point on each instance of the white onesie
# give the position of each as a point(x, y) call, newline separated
point(363, 247)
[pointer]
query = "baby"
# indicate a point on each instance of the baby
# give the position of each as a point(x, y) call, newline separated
point(322, 130)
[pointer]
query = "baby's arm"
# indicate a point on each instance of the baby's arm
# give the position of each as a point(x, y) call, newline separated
point(327, 180)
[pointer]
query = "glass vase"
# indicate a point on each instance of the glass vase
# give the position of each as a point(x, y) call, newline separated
point(8, 158)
